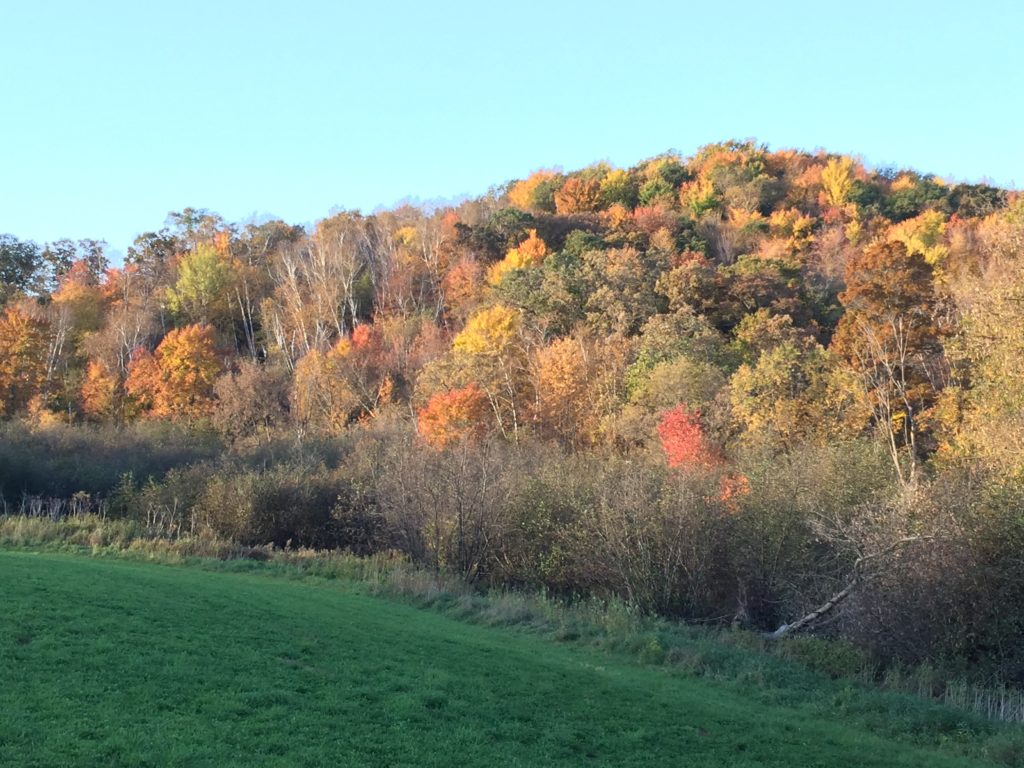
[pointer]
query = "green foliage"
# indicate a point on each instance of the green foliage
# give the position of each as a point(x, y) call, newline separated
point(908, 202)
point(203, 291)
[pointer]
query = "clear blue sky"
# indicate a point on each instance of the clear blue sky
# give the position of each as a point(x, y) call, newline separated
point(114, 113)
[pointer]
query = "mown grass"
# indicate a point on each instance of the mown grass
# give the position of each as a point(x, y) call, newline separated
point(112, 662)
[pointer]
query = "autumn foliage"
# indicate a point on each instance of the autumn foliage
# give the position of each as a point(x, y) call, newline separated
point(718, 386)
point(176, 381)
point(23, 347)
point(683, 440)
point(452, 416)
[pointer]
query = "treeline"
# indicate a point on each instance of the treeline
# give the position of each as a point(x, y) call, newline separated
point(745, 386)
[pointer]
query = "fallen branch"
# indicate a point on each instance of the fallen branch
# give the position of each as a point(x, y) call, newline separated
point(845, 592)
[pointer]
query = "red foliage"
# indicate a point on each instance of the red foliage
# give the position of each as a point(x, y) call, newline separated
point(682, 438)
point(361, 336)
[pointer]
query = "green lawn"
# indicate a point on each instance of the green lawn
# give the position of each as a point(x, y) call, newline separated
point(113, 663)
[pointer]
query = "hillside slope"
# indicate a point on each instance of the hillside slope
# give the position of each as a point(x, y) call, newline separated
point(115, 663)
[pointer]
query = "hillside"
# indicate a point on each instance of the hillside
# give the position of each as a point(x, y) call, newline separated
point(115, 663)
point(776, 389)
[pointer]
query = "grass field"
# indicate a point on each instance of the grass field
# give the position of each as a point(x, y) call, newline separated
point(112, 663)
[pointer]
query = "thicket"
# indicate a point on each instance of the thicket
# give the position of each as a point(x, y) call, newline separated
point(935, 575)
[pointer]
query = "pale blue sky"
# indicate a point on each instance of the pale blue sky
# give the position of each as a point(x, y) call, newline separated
point(114, 113)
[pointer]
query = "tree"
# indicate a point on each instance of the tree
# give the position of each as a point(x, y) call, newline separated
point(618, 188)
point(453, 416)
point(322, 399)
point(990, 350)
point(177, 380)
point(99, 392)
point(536, 192)
point(891, 336)
point(189, 367)
point(837, 181)
point(204, 289)
point(23, 359)
point(489, 332)
point(252, 402)
point(620, 289)
point(563, 406)
point(579, 194)
point(19, 265)
point(529, 253)
point(81, 297)
point(490, 352)
point(780, 398)
point(683, 440)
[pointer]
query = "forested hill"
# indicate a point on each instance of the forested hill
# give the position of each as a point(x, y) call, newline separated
point(704, 317)
point(757, 288)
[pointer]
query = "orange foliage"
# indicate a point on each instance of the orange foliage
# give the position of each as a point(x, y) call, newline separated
point(98, 391)
point(731, 489)
point(529, 253)
point(362, 335)
point(22, 359)
point(523, 194)
point(455, 415)
point(177, 380)
point(578, 195)
point(81, 296)
point(563, 400)
point(462, 284)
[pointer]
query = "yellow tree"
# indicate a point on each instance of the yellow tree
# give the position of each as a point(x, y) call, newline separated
point(562, 404)
point(322, 397)
point(203, 290)
point(490, 351)
point(924, 235)
point(532, 193)
point(991, 347)
point(837, 180)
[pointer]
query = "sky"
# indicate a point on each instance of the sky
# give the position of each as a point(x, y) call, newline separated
point(113, 114)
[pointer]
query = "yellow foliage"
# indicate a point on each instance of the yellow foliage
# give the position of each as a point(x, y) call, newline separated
point(617, 216)
point(406, 236)
point(924, 235)
point(489, 331)
point(523, 193)
point(342, 348)
point(853, 230)
point(837, 180)
point(903, 181)
point(98, 391)
point(615, 186)
point(698, 196)
point(530, 252)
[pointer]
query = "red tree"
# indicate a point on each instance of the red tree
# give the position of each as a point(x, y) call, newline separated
point(682, 438)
